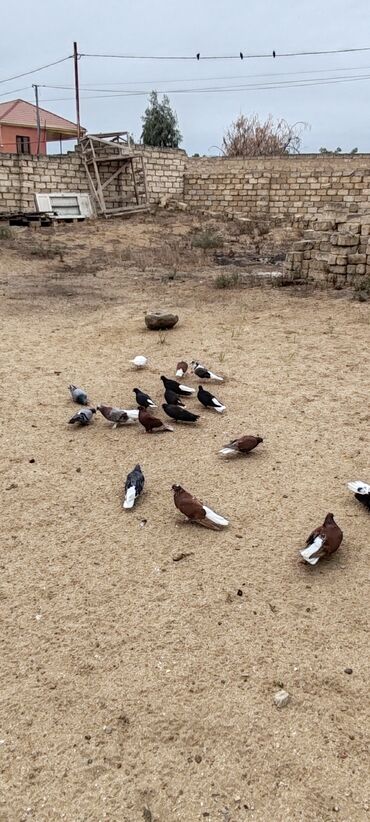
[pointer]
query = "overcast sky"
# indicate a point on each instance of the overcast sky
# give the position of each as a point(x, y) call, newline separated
point(338, 113)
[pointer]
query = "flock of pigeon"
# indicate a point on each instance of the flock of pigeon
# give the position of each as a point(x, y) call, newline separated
point(322, 542)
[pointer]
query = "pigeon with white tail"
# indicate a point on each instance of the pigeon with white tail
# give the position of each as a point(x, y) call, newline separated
point(361, 491)
point(177, 387)
point(323, 541)
point(181, 368)
point(133, 486)
point(241, 445)
point(196, 511)
point(203, 373)
point(209, 401)
point(119, 416)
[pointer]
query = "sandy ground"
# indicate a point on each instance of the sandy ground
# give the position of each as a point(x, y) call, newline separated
point(138, 688)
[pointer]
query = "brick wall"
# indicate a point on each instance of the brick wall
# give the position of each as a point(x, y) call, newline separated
point(335, 249)
point(289, 187)
point(21, 177)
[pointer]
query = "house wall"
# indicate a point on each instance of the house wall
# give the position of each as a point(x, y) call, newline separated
point(8, 142)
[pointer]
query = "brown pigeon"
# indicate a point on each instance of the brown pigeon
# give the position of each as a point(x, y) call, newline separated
point(323, 541)
point(181, 368)
point(242, 445)
point(195, 511)
point(151, 424)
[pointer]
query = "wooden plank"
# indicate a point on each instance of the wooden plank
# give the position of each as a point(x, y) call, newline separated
point(112, 177)
point(134, 182)
point(144, 177)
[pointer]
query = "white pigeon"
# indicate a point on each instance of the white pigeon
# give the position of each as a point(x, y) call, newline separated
point(139, 361)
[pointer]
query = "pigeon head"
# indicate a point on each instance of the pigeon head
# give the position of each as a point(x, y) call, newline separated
point(135, 390)
point(93, 410)
point(163, 378)
point(177, 488)
point(329, 519)
point(137, 467)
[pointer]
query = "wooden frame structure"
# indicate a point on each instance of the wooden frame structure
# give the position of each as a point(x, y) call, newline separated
point(110, 161)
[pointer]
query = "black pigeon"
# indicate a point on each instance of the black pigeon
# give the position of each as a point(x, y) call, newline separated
point(172, 398)
point(198, 55)
point(274, 53)
point(133, 486)
point(143, 399)
point(182, 390)
point(179, 414)
point(209, 401)
point(83, 417)
point(241, 55)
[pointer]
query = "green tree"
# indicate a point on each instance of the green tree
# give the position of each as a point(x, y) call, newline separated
point(160, 126)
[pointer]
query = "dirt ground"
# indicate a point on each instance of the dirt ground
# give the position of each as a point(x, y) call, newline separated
point(136, 688)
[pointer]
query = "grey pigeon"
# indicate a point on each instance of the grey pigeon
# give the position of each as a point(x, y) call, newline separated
point(119, 416)
point(133, 486)
point(78, 395)
point(83, 417)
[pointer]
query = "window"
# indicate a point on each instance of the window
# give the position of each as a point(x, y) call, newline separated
point(23, 145)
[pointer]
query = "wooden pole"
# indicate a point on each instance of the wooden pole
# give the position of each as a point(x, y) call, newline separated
point(37, 118)
point(77, 90)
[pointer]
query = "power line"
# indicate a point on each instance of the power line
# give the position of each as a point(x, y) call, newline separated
point(240, 56)
point(219, 89)
point(92, 86)
point(34, 71)
point(14, 91)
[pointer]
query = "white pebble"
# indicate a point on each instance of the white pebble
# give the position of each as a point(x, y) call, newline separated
point(281, 698)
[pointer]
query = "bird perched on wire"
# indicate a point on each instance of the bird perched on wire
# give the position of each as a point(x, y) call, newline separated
point(179, 414)
point(242, 445)
point(361, 491)
point(203, 373)
point(177, 387)
point(143, 399)
point(172, 398)
point(152, 424)
point(323, 541)
point(196, 511)
point(181, 368)
point(140, 361)
point(119, 416)
point(133, 486)
point(83, 417)
point(78, 395)
point(209, 401)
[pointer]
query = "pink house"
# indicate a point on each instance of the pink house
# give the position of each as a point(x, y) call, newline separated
point(18, 128)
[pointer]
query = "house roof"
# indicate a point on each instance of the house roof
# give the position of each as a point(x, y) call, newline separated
point(21, 113)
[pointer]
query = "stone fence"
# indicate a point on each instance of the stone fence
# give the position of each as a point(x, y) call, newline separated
point(334, 250)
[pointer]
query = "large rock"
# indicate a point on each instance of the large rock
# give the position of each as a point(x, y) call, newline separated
point(160, 320)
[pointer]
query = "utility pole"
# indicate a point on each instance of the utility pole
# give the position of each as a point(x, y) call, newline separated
point(37, 118)
point(77, 90)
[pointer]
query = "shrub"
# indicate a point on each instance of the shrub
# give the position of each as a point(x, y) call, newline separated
point(207, 239)
point(227, 280)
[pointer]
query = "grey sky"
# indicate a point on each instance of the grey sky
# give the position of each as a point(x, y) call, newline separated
point(338, 114)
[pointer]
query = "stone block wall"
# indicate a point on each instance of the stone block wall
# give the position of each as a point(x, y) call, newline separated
point(334, 250)
point(288, 187)
point(21, 177)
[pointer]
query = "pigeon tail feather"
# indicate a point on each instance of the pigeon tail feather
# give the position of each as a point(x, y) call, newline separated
point(187, 389)
point(226, 451)
point(130, 497)
point(308, 553)
point(359, 487)
point(215, 518)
